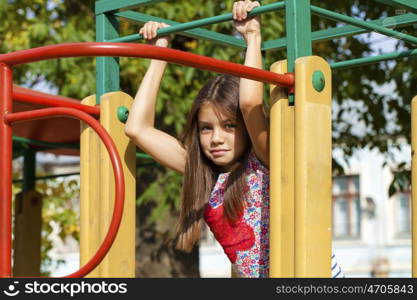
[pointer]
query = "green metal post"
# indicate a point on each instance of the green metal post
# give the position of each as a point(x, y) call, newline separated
point(198, 33)
point(107, 68)
point(25, 142)
point(29, 167)
point(189, 26)
point(298, 26)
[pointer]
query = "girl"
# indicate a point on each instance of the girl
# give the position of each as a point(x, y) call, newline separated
point(223, 153)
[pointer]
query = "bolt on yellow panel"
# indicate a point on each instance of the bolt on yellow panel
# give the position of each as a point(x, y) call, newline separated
point(313, 169)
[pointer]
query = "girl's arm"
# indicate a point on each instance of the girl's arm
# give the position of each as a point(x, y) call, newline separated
point(140, 125)
point(250, 91)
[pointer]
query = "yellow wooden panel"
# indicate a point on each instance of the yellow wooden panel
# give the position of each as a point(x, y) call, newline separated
point(27, 234)
point(281, 180)
point(414, 185)
point(120, 261)
point(90, 227)
point(313, 170)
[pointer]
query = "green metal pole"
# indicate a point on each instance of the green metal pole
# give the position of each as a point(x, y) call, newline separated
point(150, 164)
point(179, 27)
point(29, 167)
point(363, 24)
point(298, 25)
point(348, 30)
point(372, 59)
point(104, 6)
point(107, 68)
point(197, 33)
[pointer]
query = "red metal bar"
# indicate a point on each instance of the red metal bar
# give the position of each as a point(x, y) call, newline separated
point(5, 172)
point(30, 96)
point(147, 51)
point(117, 169)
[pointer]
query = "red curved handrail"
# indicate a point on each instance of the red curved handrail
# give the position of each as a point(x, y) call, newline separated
point(21, 94)
point(117, 170)
point(145, 51)
point(107, 49)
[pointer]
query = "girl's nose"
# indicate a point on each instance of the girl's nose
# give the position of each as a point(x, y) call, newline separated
point(217, 136)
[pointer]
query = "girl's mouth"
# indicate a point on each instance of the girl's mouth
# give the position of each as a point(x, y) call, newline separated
point(219, 152)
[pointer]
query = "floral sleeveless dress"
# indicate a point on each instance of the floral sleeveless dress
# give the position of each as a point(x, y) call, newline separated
point(246, 243)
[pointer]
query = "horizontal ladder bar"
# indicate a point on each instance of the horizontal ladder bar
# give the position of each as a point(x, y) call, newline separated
point(373, 59)
point(105, 6)
point(198, 33)
point(349, 30)
point(363, 24)
point(202, 22)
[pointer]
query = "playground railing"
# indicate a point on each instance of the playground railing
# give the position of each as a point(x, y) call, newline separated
point(7, 61)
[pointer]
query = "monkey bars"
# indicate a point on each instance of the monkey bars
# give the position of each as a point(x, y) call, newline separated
point(298, 40)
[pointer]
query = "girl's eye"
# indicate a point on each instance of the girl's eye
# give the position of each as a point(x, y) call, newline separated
point(205, 128)
point(230, 125)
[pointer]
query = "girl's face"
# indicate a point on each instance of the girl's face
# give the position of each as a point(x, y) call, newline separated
point(223, 140)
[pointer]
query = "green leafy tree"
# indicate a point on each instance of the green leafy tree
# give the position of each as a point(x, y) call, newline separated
point(59, 207)
point(357, 95)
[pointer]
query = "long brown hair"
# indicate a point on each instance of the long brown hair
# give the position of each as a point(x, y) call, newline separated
point(200, 172)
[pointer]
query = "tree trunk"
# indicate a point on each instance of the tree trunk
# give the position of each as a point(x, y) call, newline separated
point(156, 255)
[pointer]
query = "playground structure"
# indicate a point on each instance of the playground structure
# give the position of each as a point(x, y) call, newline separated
point(300, 163)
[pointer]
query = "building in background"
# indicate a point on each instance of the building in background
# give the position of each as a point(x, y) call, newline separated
point(371, 231)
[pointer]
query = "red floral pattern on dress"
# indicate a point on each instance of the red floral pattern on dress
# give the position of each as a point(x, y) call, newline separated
point(234, 237)
point(250, 259)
